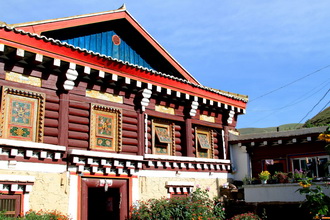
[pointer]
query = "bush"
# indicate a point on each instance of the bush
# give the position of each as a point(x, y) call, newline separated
point(246, 216)
point(316, 201)
point(40, 215)
point(197, 206)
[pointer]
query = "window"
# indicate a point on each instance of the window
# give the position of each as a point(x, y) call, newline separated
point(204, 143)
point(179, 189)
point(10, 205)
point(23, 113)
point(314, 166)
point(162, 136)
point(105, 132)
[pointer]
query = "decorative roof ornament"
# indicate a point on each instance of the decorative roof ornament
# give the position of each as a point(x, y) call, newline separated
point(123, 7)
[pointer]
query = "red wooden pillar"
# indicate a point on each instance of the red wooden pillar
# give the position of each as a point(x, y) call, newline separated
point(63, 124)
point(189, 138)
point(141, 132)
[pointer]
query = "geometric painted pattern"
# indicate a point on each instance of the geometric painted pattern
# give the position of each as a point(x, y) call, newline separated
point(162, 136)
point(204, 143)
point(105, 132)
point(22, 114)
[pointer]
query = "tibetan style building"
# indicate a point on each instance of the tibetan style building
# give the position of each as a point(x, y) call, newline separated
point(97, 115)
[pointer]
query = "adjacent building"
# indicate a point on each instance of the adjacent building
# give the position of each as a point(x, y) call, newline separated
point(282, 151)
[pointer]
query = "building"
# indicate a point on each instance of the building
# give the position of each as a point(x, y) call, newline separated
point(97, 115)
point(282, 151)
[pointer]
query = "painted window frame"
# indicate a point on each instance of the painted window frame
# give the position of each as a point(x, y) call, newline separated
point(311, 159)
point(36, 125)
point(168, 144)
point(115, 137)
point(208, 133)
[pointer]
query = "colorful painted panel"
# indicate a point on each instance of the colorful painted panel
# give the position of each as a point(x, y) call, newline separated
point(160, 149)
point(105, 128)
point(23, 115)
point(163, 135)
point(203, 141)
point(204, 154)
point(162, 138)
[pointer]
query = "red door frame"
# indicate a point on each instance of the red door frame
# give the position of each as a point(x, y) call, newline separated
point(121, 184)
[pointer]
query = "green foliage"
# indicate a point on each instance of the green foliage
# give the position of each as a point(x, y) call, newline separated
point(40, 215)
point(317, 202)
point(321, 119)
point(246, 216)
point(197, 206)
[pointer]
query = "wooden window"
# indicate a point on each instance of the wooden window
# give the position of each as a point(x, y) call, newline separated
point(162, 137)
point(204, 142)
point(174, 195)
point(23, 114)
point(10, 205)
point(106, 128)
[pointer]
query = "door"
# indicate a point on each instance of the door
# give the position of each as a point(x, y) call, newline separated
point(104, 199)
point(103, 204)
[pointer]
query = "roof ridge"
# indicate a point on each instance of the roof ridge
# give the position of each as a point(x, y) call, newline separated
point(122, 8)
point(60, 43)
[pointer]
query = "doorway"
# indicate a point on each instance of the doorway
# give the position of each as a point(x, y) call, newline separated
point(104, 199)
point(103, 204)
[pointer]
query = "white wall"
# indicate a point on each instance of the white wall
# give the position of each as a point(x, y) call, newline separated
point(275, 193)
point(240, 162)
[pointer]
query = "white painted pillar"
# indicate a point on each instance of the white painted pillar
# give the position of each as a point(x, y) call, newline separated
point(73, 197)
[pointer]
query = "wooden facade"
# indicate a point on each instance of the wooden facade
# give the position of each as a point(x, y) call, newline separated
point(285, 151)
point(100, 121)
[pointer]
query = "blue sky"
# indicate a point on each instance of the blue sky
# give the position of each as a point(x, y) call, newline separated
point(276, 52)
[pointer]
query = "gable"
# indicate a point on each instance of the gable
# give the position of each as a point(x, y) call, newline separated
point(110, 44)
point(138, 48)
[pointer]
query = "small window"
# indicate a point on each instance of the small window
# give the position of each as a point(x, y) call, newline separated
point(105, 130)
point(23, 113)
point(10, 205)
point(204, 143)
point(162, 136)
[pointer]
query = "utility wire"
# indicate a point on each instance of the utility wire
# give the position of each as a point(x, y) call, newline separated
point(324, 107)
point(315, 105)
point(304, 97)
point(270, 92)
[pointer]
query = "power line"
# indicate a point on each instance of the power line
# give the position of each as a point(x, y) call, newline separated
point(305, 96)
point(270, 92)
point(324, 107)
point(315, 105)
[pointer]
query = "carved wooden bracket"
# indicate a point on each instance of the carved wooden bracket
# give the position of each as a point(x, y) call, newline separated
point(146, 94)
point(194, 106)
point(231, 116)
point(71, 75)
